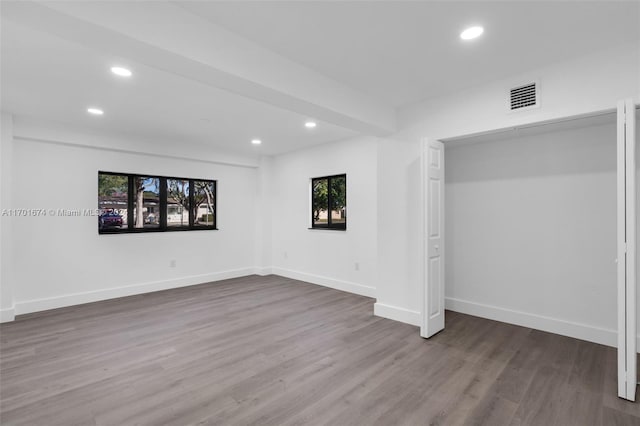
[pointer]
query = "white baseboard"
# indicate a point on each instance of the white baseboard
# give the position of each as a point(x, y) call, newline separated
point(347, 286)
point(553, 325)
point(7, 314)
point(590, 333)
point(262, 271)
point(396, 313)
point(36, 305)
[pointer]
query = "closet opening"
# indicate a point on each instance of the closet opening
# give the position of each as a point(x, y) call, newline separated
point(522, 227)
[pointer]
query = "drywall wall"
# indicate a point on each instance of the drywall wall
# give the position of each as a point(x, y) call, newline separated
point(80, 136)
point(531, 228)
point(399, 210)
point(638, 223)
point(263, 215)
point(346, 260)
point(387, 244)
point(578, 86)
point(62, 260)
point(7, 312)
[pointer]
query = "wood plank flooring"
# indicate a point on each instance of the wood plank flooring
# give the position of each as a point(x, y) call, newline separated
point(275, 351)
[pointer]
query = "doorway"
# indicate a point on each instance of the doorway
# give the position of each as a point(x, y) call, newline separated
point(530, 233)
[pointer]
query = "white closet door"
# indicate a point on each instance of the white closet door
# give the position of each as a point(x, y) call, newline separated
point(433, 180)
point(627, 351)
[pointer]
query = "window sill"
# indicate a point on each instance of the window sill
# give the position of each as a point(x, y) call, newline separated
point(152, 231)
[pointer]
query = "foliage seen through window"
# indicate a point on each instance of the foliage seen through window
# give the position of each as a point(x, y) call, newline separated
point(329, 202)
point(136, 203)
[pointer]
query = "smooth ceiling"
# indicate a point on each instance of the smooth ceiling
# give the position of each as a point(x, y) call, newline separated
point(49, 78)
point(406, 51)
point(394, 52)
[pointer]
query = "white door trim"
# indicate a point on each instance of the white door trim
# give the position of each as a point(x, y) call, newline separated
point(626, 229)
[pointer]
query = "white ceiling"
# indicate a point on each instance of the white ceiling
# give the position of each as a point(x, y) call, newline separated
point(405, 51)
point(318, 59)
point(49, 78)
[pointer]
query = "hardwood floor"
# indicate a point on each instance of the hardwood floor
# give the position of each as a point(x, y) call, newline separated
point(275, 351)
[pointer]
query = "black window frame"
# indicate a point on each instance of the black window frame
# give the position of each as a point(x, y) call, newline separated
point(330, 225)
point(162, 205)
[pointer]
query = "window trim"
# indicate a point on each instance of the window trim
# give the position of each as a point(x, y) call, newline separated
point(329, 226)
point(162, 203)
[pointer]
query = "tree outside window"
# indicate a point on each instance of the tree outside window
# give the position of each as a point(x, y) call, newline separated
point(138, 203)
point(329, 202)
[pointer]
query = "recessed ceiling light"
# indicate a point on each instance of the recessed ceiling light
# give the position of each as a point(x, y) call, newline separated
point(122, 72)
point(256, 141)
point(471, 33)
point(310, 124)
point(95, 111)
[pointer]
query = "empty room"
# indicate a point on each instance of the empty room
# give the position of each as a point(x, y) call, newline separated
point(319, 213)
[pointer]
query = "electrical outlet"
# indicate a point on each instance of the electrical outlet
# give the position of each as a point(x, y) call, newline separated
point(286, 255)
point(356, 266)
point(172, 263)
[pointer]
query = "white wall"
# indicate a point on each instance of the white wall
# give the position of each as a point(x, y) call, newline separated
point(399, 232)
point(179, 149)
point(326, 257)
point(60, 261)
point(580, 86)
point(531, 230)
point(6, 166)
point(270, 204)
point(263, 217)
point(638, 224)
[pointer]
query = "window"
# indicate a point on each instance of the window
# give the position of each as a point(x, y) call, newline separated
point(204, 196)
point(137, 203)
point(178, 203)
point(329, 202)
point(146, 207)
point(113, 201)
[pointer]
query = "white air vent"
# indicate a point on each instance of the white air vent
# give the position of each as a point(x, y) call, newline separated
point(524, 96)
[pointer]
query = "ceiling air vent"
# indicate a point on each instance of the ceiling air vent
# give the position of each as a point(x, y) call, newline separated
point(524, 96)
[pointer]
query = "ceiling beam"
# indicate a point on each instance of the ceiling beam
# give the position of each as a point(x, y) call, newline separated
point(173, 39)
